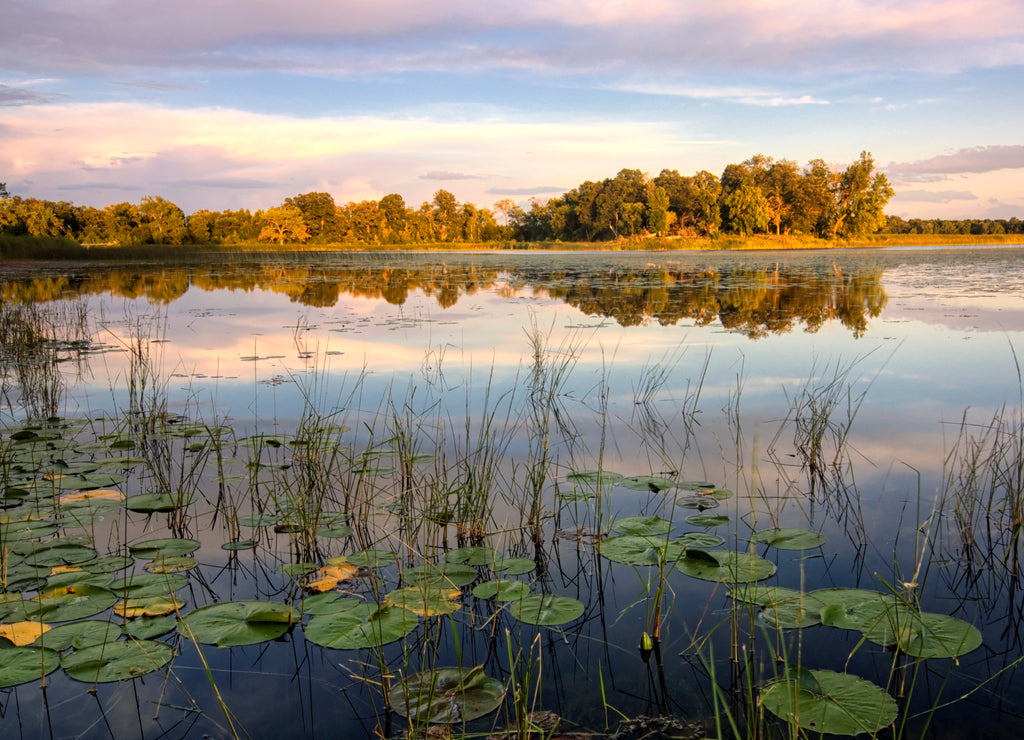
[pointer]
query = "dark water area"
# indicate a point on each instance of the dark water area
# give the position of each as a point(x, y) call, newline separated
point(415, 404)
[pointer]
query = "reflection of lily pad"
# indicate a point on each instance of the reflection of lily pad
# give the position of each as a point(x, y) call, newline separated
point(238, 622)
point(723, 565)
point(546, 609)
point(116, 661)
point(636, 550)
point(363, 626)
point(789, 539)
point(642, 525)
point(447, 695)
point(23, 664)
point(825, 702)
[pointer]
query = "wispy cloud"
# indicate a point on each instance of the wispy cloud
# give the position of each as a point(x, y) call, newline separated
point(935, 196)
point(944, 166)
point(446, 175)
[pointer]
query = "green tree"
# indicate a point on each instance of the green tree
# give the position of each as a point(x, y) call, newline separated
point(123, 224)
point(446, 221)
point(746, 210)
point(394, 217)
point(860, 196)
point(319, 213)
point(283, 222)
point(163, 219)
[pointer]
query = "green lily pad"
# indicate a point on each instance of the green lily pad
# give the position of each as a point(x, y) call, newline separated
point(362, 626)
point(575, 496)
point(938, 636)
point(723, 565)
point(546, 609)
point(108, 564)
point(830, 703)
point(328, 603)
point(707, 520)
point(642, 525)
point(20, 665)
point(650, 483)
point(372, 558)
point(472, 555)
point(146, 628)
point(164, 548)
point(699, 539)
point(80, 634)
point(265, 519)
point(57, 552)
point(513, 566)
point(502, 590)
point(447, 695)
point(335, 532)
point(853, 608)
point(150, 503)
point(235, 623)
point(789, 539)
point(594, 477)
point(70, 602)
point(79, 578)
point(636, 550)
point(144, 585)
point(235, 545)
point(116, 661)
point(441, 574)
point(26, 530)
point(174, 564)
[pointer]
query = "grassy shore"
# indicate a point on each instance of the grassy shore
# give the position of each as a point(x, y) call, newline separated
point(14, 248)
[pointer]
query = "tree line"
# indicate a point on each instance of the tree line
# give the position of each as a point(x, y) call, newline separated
point(758, 196)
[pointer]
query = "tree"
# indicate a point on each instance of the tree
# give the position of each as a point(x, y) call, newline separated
point(857, 197)
point(4, 193)
point(284, 222)
point(446, 216)
point(165, 221)
point(319, 213)
point(394, 217)
point(746, 210)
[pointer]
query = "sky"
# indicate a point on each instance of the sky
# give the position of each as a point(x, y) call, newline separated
point(227, 104)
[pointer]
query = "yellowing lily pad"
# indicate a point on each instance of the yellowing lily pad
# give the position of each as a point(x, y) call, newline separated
point(23, 633)
point(151, 606)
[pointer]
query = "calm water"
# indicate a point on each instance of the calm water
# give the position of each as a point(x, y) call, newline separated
point(698, 367)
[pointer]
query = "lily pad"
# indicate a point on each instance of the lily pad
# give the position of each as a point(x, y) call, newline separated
point(372, 558)
point(143, 585)
point(826, 702)
point(425, 601)
point(789, 539)
point(723, 565)
point(20, 665)
point(146, 628)
point(636, 550)
point(150, 606)
point(164, 548)
point(502, 590)
point(70, 602)
point(546, 609)
point(699, 539)
point(651, 483)
point(447, 695)
point(23, 633)
point(362, 626)
point(116, 661)
point(707, 520)
point(513, 566)
point(472, 555)
point(642, 525)
point(150, 503)
point(81, 634)
point(235, 623)
point(442, 574)
point(594, 477)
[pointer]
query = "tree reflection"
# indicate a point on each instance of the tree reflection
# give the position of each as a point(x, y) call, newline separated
point(756, 300)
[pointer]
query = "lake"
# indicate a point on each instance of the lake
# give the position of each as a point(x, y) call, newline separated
point(353, 468)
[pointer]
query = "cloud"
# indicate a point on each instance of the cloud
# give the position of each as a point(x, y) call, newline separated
point(527, 191)
point(578, 37)
point(445, 175)
point(934, 196)
point(11, 95)
point(977, 159)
